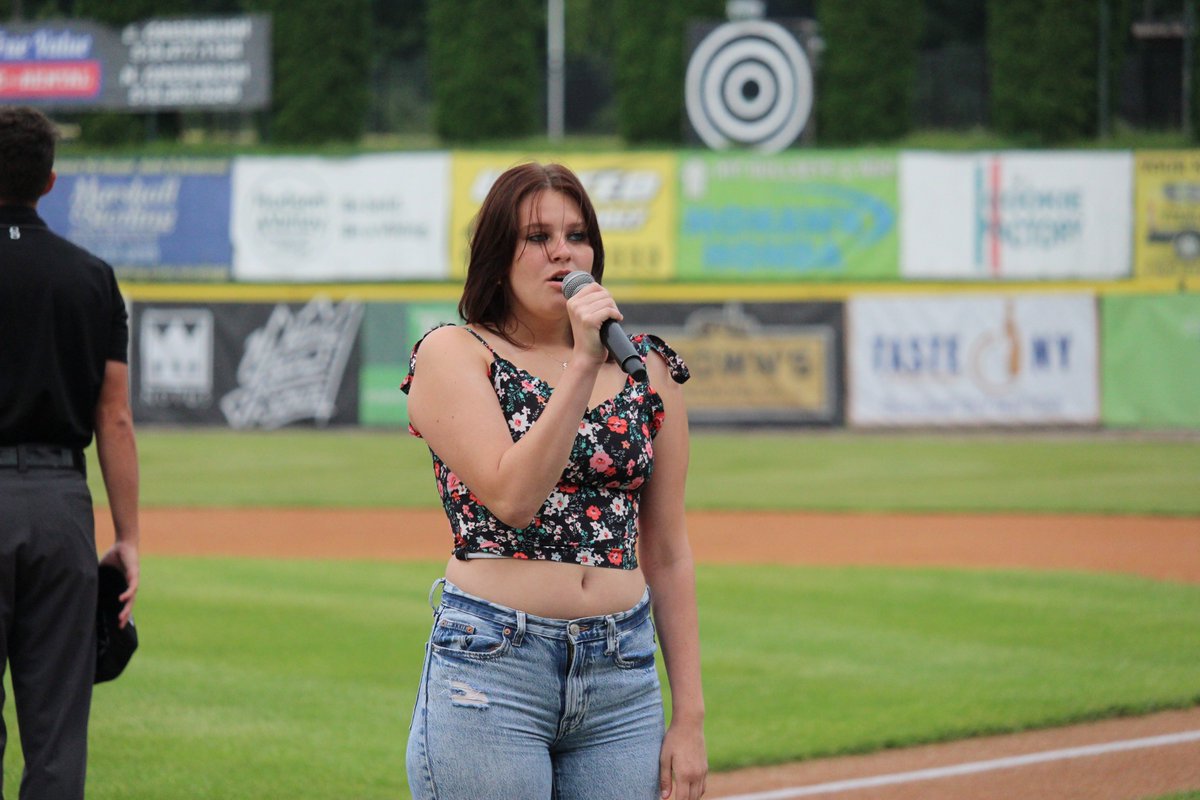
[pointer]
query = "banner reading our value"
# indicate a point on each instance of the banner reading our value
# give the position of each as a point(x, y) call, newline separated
point(220, 63)
point(633, 194)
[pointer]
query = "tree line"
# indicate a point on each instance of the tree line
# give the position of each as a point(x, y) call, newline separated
point(481, 63)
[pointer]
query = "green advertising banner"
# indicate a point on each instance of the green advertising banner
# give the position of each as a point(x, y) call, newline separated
point(389, 332)
point(787, 217)
point(1151, 361)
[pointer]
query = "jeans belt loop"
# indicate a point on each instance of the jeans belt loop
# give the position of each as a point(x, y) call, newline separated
point(519, 636)
point(610, 626)
point(438, 584)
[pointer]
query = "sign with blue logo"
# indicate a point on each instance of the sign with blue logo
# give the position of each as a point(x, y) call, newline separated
point(788, 217)
point(149, 218)
point(973, 360)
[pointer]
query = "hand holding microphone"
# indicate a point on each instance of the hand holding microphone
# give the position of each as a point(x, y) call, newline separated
point(611, 334)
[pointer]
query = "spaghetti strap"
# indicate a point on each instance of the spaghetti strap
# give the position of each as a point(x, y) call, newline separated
point(482, 340)
point(412, 358)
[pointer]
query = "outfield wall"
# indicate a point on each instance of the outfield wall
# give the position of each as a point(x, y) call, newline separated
point(859, 288)
point(873, 360)
point(668, 217)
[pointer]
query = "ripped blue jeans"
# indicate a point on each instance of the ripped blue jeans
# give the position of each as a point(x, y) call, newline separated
point(518, 707)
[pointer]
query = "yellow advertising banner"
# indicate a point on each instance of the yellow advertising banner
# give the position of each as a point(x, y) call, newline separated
point(634, 195)
point(742, 371)
point(1167, 218)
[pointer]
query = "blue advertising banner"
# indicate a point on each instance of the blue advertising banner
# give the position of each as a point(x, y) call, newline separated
point(161, 219)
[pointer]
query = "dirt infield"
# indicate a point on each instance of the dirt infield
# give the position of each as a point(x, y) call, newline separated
point(1109, 760)
point(1163, 548)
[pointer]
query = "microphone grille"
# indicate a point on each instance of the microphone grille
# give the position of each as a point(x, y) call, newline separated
point(574, 281)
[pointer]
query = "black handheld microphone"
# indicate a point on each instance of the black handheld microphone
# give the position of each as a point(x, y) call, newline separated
point(614, 339)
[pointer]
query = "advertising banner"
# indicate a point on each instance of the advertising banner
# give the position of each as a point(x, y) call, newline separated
point(1016, 216)
point(1151, 360)
point(216, 63)
point(372, 217)
point(753, 363)
point(1167, 228)
point(389, 332)
point(977, 360)
point(158, 219)
point(789, 217)
point(246, 365)
point(635, 200)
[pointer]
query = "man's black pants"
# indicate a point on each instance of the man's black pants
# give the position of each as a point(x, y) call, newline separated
point(48, 624)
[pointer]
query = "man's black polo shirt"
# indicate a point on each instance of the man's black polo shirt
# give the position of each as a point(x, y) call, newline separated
point(61, 319)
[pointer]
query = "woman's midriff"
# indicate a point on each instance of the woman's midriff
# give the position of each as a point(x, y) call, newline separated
point(548, 588)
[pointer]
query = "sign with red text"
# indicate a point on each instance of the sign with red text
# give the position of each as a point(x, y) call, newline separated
point(214, 63)
point(1016, 216)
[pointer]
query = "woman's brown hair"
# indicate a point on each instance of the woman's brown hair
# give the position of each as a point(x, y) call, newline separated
point(496, 231)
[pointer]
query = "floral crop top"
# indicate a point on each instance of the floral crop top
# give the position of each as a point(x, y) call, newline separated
point(591, 517)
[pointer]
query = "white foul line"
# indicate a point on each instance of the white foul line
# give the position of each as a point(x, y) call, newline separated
point(972, 767)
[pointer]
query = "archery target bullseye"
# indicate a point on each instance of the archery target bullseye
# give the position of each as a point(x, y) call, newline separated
point(749, 84)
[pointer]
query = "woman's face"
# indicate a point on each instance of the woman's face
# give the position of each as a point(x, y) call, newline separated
point(551, 242)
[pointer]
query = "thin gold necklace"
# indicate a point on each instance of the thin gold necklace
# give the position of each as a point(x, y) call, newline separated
point(561, 364)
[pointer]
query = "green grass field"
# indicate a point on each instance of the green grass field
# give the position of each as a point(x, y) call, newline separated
point(269, 680)
point(741, 470)
point(263, 680)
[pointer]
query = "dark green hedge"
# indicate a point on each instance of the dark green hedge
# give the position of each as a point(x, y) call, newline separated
point(321, 65)
point(867, 77)
point(486, 68)
point(651, 64)
point(1044, 58)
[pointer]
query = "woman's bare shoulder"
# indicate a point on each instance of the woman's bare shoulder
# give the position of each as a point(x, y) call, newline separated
point(452, 340)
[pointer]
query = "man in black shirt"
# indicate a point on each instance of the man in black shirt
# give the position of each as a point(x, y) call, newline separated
point(63, 377)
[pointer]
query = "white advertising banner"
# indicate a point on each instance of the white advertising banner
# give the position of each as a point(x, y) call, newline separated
point(975, 360)
point(373, 217)
point(1016, 216)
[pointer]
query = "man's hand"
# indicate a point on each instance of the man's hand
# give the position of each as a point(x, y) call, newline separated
point(124, 556)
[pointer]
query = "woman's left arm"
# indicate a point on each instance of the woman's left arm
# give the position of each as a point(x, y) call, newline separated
point(666, 559)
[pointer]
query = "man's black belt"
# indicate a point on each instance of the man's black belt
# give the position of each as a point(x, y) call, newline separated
point(40, 456)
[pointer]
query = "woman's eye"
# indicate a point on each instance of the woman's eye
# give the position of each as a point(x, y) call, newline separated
point(578, 236)
point(538, 237)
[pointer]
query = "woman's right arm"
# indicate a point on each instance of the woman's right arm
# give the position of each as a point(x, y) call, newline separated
point(452, 403)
